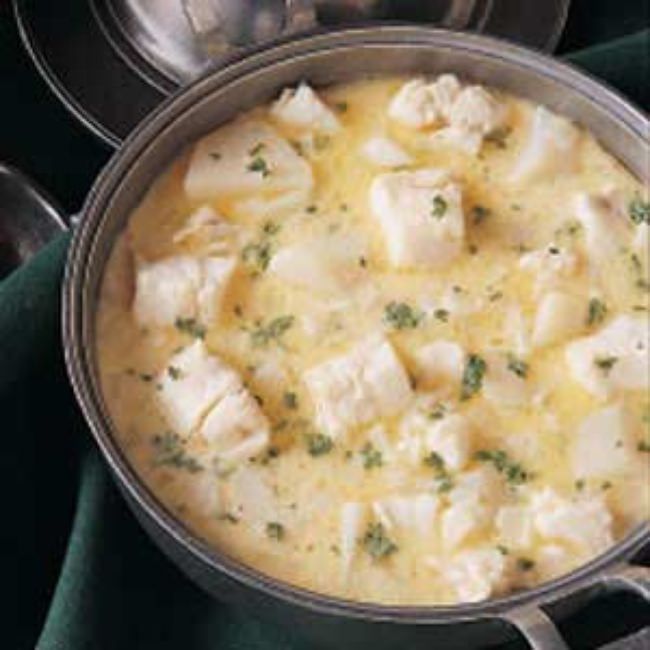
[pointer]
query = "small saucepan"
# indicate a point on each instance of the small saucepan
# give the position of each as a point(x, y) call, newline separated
point(218, 96)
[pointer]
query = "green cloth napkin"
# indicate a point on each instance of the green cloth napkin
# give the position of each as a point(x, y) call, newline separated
point(76, 570)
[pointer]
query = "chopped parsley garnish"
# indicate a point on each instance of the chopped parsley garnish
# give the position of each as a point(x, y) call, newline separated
point(174, 372)
point(644, 446)
point(290, 400)
point(341, 107)
point(514, 473)
point(472, 380)
point(518, 366)
point(215, 155)
point(363, 262)
point(639, 211)
point(438, 207)
point(318, 444)
point(580, 484)
point(444, 481)
point(311, 209)
point(321, 142)
point(596, 312)
point(400, 316)
point(229, 517)
point(438, 411)
point(605, 364)
point(275, 531)
point(441, 315)
point(169, 450)
point(191, 327)
point(258, 254)
point(495, 295)
point(259, 164)
point(499, 137)
point(503, 549)
point(257, 149)
point(372, 457)
point(146, 377)
point(263, 334)
point(525, 564)
point(376, 542)
point(480, 213)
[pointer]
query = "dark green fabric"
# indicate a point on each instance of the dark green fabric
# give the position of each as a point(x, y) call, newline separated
point(76, 570)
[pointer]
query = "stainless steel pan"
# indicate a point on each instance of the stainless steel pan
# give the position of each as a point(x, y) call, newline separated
point(213, 99)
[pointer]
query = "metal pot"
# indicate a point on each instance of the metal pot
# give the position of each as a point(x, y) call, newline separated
point(325, 58)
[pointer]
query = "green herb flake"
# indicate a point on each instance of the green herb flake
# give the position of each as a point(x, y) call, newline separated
point(473, 374)
point(174, 373)
point(504, 550)
point(444, 481)
point(479, 214)
point(318, 444)
point(215, 155)
point(228, 517)
point(580, 484)
point(341, 107)
point(499, 137)
point(605, 364)
point(372, 457)
point(191, 327)
point(275, 531)
point(442, 315)
point(400, 316)
point(438, 412)
point(259, 165)
point(290, 400)
point(146, 377)
point(517, 366)
point(376, 542)
point(169, 450)
point(644, 446)
point(438, 207)
point(525, 564)
point(596, 312)
point(639, 211)
point(257, 255)
point(273, 331)
point(321, 142)
point(514, 473)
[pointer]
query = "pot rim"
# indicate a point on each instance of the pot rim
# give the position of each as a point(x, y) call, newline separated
point(76, 328)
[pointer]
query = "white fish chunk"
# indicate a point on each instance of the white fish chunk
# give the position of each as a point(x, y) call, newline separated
point(367, 383)
point(196, 382)
point(476, 110)
point(419, 103)
point(353, 516)
point(559, 316)
point(514, 526)
point(421, 217)
point(243, 158)
point(451, 439)
point(181, 287)
point(385, 152)
point(550, 265)
point(614, 358)
point(236, 428)
point(328, 264)
point(477, 574)
point(302, 108)
point(440, 364)
point(585, 523)
point(503, 383)
point(606, 224)
point(603, 445)
point(552, 148)
point(413, 513)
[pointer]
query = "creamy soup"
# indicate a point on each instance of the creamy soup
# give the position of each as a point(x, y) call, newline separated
point(389, 341)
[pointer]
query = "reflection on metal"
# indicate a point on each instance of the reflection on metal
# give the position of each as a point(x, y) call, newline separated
point(28, 219)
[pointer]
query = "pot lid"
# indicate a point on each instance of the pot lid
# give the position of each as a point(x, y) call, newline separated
point(142, 51)
point(170, 42)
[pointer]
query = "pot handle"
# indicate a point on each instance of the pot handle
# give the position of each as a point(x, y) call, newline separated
point(537, 627)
